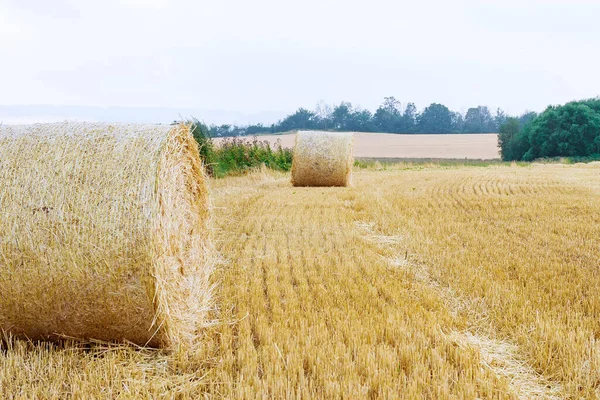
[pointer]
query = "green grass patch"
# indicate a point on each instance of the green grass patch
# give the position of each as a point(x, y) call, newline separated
point(238, 155)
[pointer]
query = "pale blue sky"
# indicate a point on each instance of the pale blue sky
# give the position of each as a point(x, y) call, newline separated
point(274, 55)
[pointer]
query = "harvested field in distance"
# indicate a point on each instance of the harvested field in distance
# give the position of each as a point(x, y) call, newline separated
point(387, 145)
point(421, 280)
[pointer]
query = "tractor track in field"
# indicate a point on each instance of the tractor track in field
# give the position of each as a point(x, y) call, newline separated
point(490, 185)
point(500, 356)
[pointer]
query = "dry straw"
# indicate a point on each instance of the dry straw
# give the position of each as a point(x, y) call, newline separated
point(103, 233)
point(323, 159)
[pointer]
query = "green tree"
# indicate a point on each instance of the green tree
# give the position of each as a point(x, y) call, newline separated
point(410, 118)
point(436, 118)
point(388, 117)
point(301, 119)
point(569, 130)
point(458, 122)
point(341, 116)
point(221, 130)
point(256, 129)
point(360, 121)
point(323, 116)
point(572, 129)
point(512, 142)
point(527, 117)
point(478, 120)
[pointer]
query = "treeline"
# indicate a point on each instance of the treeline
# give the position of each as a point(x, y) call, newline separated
point(390, 117)
point(570, 130)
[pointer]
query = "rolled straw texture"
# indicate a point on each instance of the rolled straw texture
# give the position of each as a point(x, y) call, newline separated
point(323, 159)
point(104, 233)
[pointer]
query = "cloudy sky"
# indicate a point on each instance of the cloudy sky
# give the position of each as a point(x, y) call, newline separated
point(274, 55)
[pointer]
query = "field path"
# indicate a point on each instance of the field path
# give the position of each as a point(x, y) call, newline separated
point(501, 357)
point(516, 248)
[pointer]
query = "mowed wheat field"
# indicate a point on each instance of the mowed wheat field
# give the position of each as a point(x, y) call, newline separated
point(420, 281)
point(411, 146)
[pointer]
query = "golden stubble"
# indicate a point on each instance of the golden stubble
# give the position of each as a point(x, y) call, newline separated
point(418, 282)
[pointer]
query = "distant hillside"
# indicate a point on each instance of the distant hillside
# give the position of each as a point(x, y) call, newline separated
point(43, 113)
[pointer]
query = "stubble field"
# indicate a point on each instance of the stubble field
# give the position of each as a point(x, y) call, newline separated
point(421, 281)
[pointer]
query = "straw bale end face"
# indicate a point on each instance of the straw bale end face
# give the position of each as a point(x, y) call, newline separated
point(323, 159)
point(104, 233)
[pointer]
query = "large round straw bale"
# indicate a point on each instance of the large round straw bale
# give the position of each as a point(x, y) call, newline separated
point(322, 159)
point(103, 233)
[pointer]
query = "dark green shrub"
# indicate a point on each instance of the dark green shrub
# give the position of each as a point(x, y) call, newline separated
point(571, 130)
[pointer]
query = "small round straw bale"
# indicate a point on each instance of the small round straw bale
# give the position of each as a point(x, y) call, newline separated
point(323, 159)
point(103, 233)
